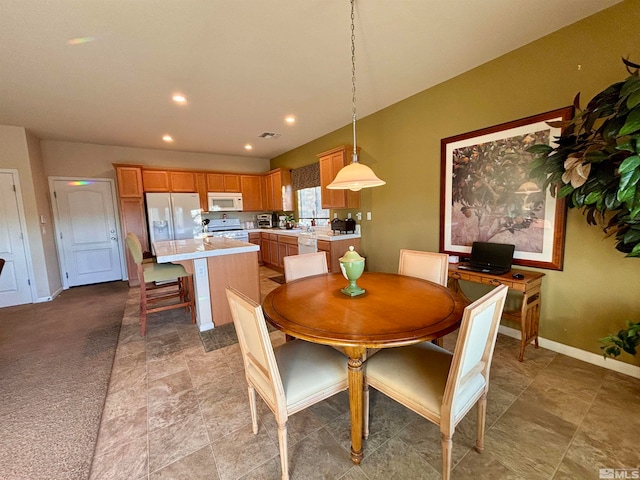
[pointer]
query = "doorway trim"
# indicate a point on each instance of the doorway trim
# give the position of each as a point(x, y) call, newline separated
point(56, 222)
point(25, 234)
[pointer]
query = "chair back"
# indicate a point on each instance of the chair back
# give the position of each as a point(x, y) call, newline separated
point(1, 264)
point(426, 265)
point(259, 359)
point(134, 247)
point(469, 373)
point(305, 265)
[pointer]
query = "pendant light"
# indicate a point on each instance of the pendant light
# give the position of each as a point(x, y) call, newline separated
point(354, 176)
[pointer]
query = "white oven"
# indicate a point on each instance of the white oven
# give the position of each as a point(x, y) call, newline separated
point(225, 202)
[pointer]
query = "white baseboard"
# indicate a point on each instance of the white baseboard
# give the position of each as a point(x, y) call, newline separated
point(48, 299)
point(593, 358)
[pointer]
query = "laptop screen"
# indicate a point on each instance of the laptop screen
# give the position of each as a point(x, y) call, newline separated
point(492, 255)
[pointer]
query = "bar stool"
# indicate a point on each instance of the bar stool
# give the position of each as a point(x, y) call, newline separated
point(171, 282)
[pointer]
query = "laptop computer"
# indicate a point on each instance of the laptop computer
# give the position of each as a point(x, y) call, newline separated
point(486, 257)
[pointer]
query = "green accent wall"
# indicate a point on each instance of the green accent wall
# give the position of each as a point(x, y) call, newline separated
point(599, 288)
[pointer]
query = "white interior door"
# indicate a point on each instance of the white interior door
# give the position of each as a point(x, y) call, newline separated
point(15, 288)
point(87, 231)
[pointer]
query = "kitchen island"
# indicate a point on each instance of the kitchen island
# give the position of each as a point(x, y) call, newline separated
point(215, 264)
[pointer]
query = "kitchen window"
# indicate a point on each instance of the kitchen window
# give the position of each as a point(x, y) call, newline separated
point(306, 184)
point(310, 206)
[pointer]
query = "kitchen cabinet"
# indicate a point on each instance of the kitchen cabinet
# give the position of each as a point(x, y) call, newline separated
point(335, 250)
point(156, 181)
point(278, 195)
point(129, 179)
point(265, 249)
point(223, 182)
point(287, 246)
point(331, 162)
point(168, 181)
point(183, 182)
point(132, 213)
point(255, 238)
point(274, 250)
point(201, 188)
point(251, 188)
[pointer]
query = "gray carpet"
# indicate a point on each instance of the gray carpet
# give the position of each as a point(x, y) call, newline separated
point(55, 365)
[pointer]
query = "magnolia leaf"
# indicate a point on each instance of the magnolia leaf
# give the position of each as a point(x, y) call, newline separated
point(539, 148)
point(576, 101)
point(633, 100)
point(630, 86)
point(629, 164)
point(632, 123)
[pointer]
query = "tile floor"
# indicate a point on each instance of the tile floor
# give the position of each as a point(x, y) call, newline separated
point(176, 412)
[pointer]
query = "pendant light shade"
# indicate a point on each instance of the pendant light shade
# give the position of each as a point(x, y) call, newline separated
point(354, 176)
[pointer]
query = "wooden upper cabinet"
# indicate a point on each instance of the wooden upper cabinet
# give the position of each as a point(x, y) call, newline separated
point(183, 182)
point(278, 192)
point(223, 182)
point(129, 181)
point(251, 188)
point(156, 181)
point(330, 164)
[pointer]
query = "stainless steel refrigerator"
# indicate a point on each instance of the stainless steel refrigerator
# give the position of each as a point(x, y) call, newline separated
point(173, 216)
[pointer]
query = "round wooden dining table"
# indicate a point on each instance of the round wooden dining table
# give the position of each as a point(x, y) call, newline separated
point(396, 310)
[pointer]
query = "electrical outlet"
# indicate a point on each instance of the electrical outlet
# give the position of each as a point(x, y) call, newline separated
point(349, 215)
point(359, 216)
point(368, 215)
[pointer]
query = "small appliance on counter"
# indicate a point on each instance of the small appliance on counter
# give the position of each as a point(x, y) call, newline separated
point(267, 220)
point(343, 226)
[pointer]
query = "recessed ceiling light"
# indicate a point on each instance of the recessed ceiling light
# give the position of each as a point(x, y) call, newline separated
point(167, 138)
point(290, 119)
point(179, 98)
point(248, 146)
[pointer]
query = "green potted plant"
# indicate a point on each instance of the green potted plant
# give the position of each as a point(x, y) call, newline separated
point(289, 221)
point(595, 164)
point(626, 339)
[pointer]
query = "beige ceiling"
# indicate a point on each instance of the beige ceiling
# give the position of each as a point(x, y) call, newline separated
point(243, 64)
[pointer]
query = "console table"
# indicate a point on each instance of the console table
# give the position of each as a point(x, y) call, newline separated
point(529, 285)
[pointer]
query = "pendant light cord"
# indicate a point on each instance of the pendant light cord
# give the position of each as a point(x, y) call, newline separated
point(354, 157)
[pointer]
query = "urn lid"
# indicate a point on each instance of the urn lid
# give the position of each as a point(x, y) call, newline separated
point(351, 256)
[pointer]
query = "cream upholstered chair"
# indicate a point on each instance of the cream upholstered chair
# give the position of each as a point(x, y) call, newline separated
point(426, 265)
point(305, 265)
point(178, 286)
point(290, 378)
point(439, 385)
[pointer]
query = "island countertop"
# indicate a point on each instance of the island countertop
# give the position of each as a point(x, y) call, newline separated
point(192, 248)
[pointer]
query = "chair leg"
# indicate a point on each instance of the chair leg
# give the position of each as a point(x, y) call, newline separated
point(482, 413)
point(253, 409)
point(365, 409)
point(282, 442)
point(192, 299)
point(447, 444)
point(143, 306)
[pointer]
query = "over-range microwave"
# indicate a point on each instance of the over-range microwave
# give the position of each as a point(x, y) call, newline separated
point(225, 202)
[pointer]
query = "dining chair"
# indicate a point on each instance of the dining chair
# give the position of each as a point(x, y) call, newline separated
point(426, 265)
point(439, 385)
point(289, 378)
point(305, 265)
point(175, 285)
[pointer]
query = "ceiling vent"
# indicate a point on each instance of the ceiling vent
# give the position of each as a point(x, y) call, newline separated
point(269, 135)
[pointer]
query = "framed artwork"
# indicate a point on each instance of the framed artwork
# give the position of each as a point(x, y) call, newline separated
point(487, 194)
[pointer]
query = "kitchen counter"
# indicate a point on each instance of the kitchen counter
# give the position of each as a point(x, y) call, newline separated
point(177, 250)
point(215, 264)
point(319, 234)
